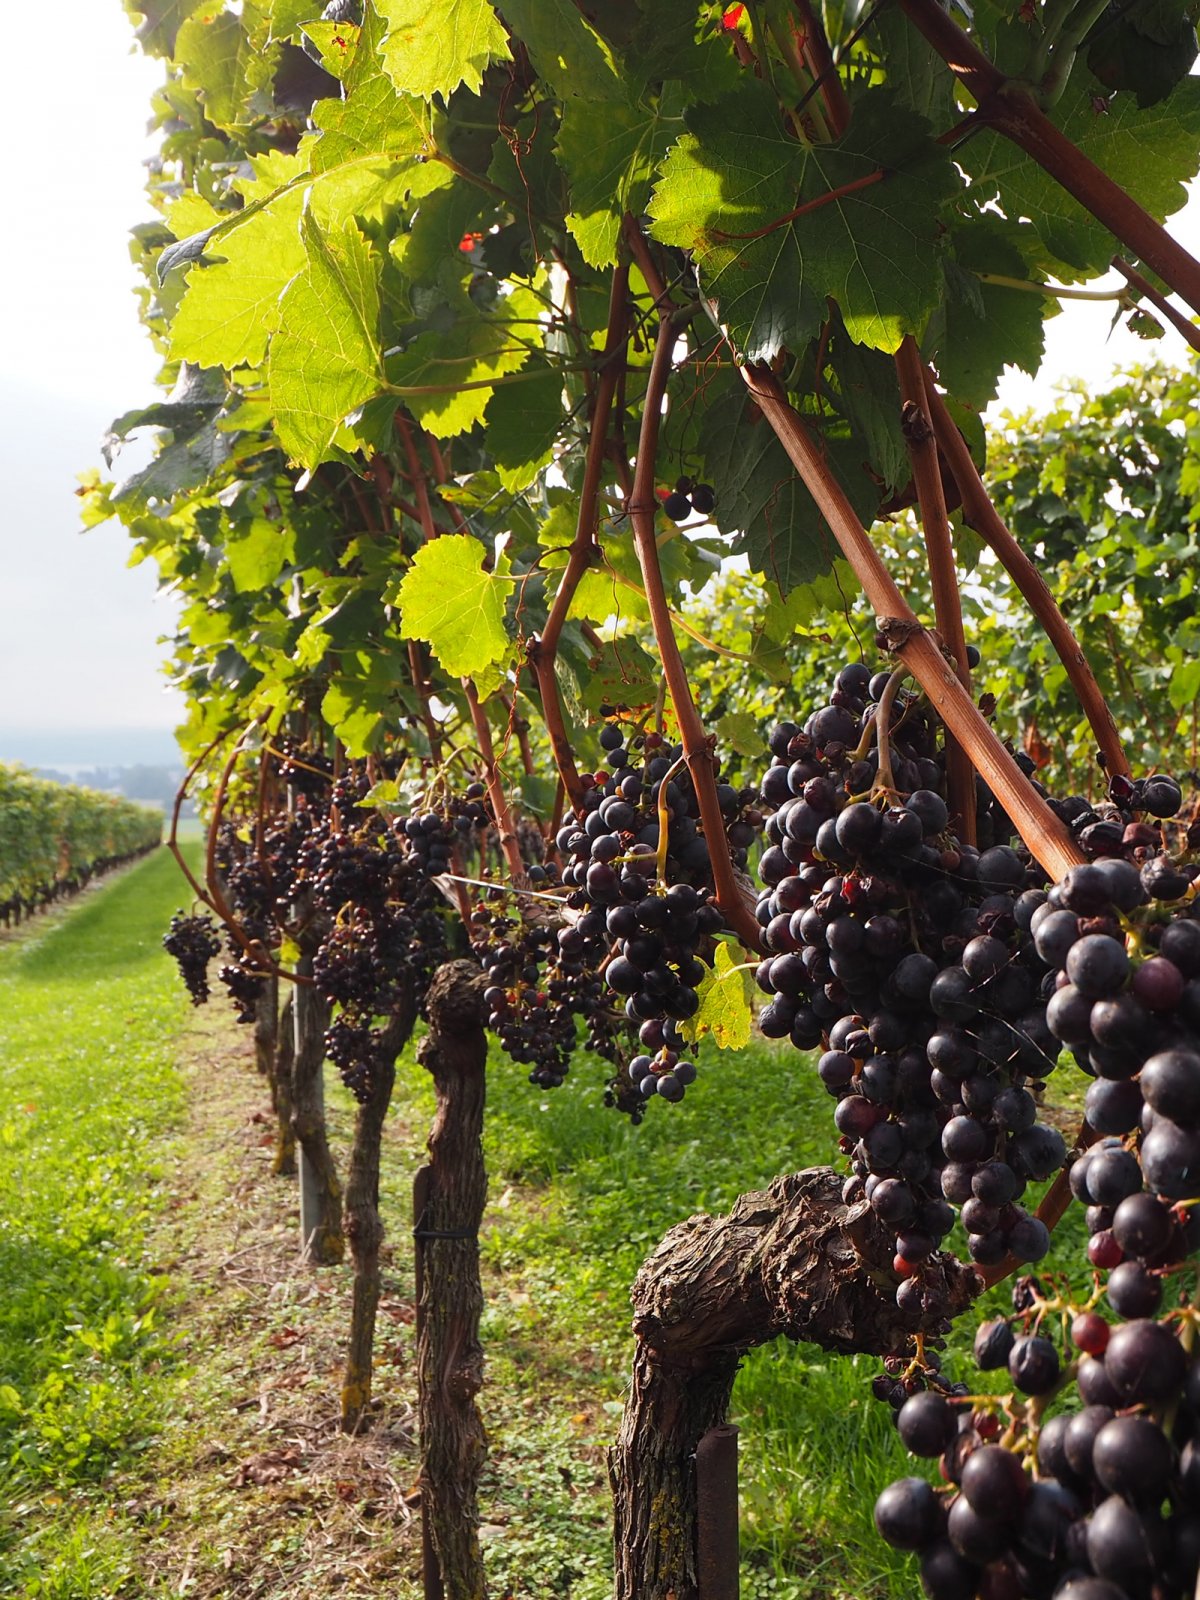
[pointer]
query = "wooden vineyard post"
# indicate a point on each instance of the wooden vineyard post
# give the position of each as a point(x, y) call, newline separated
point(717, 1544)
point(431, 1577)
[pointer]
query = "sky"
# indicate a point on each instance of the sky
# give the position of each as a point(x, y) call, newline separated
point(80, 677)
point(78, 628)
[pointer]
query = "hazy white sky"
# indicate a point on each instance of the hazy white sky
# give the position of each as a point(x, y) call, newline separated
point(78, 629)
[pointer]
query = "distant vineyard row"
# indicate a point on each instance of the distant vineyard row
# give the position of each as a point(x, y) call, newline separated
point(55, 837)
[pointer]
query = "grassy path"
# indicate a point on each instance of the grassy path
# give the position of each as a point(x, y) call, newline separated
point(89, 1014)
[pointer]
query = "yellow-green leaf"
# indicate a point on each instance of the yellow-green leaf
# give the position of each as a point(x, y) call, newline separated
point(256, 555)
point(447, 599)
point(325, 359)
point(431, 49)
point(230, 309)
point(724, 994)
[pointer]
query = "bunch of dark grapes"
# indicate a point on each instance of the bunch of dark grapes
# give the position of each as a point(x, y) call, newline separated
point(1095, 1499)
point(659, 925)
point(350, 870)
point(247, 881)
point(243, 983)
point(907, 953)
point(346, 967)
point(435, 834)
point(687, 497)
point(533, 1027)
point(306, 772)
point(661, 1069)
point(288, 855)
point(384, 926)
point(1101, 1499)
point(193, 941)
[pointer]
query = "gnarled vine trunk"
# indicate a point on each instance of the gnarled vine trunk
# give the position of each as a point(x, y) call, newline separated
point(449, 1354)
point(794, 1260)
point(363, 1223)
point(322, 1239)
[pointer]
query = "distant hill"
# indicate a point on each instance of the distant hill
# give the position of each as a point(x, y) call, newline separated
point(71, 750)
point(153, 786)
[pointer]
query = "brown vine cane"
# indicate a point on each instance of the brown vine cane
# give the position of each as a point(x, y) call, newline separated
point(1044, 835)
point(947, 602)
point(543, 652)
point(1009, 108)
point(697, 747)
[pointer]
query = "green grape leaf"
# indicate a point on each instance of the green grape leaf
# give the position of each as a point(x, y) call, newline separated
point(741, 731)
point(610, 153)
point(524, 164)
point(1150, 153)
point(917, 75)
point(1147, 47)
point(161, 21)
point(258, 554)
point(197, 398)
point(287, 15)
point(1184, 685)
point(458, 362)
point(726, 994)
point(355, 724)
point(449, 601)
point(336, 42)
point(538, 793)
point(176, 470)
point(385, 793)
point(869, 394)
point(664, 46)
point(325, 358)
point(875, 251)
point(985, 327)
point(231, 309)
point(623, 673)
point(568, 54)
point(375, 117)
point(430, 49)
point(431, 246)
point(368, 154)
point(523, 423)
point(220, 63)
point(760, 495)
point(603, 593)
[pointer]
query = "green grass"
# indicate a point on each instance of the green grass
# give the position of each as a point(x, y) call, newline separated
point(89, 1012)
point(579, 1198)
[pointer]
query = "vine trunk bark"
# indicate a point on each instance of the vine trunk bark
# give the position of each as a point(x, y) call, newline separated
point(284, 1163)
point(266, 1027)
point(322, 1240)
point(449, 1354)
point(363, 1223)
point(273, 1051)
point(795, 1261)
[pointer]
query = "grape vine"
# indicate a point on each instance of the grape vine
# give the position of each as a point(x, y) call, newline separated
point(468, 407)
